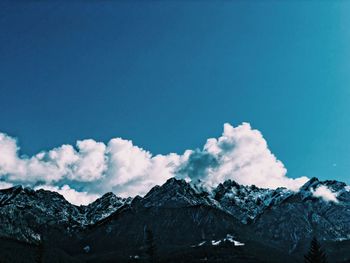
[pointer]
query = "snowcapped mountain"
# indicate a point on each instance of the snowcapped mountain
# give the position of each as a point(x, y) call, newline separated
point(305, 214)
point(25, 212)
point(247, 202)
point(182, 216)
point(102, 208)
point(176, 193)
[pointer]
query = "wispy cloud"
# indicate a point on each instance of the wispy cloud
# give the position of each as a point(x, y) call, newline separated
point(325, 193)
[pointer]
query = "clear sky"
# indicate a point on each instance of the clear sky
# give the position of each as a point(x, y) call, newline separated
point(169, 74)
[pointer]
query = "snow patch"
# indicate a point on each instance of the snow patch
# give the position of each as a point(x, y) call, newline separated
point(87, 249)
point(200, 244)
point(228, 238)
point(235, 242)
point(215, 243)
point(36, 236)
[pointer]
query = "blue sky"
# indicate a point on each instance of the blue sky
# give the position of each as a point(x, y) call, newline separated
point(168, 75)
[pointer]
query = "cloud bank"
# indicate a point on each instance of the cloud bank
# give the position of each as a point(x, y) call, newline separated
point(87, 170)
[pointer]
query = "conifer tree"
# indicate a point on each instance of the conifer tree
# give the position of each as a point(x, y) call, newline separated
point(316, 253)
point(40, 249)
point(150, 246)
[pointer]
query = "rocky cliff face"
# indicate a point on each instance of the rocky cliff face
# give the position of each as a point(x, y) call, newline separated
point(247, 202)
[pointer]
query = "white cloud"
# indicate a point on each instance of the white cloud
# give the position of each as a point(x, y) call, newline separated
point(9, 162)
point(4, 185)
point(132, 170)
point(91, 162)
point(325, 193)
point(240, 153)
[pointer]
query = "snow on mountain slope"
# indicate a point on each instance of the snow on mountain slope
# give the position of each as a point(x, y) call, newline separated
point(102, 208)
point(304, 215)
point(247, 202)
point(177, 193)
point(25, 213)
point(280, 215)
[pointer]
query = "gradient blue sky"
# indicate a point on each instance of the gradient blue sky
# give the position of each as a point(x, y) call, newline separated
point(168, 75)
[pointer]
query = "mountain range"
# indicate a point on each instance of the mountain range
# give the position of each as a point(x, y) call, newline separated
point(184, 222)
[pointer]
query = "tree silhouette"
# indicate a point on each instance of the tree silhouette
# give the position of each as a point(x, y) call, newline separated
point(40, 253)
point(40, 248)
point(150, 246)
point(316, 253)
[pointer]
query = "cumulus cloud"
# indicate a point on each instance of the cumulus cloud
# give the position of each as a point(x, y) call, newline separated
point(89, 169)
point(240, 154)
point(325, 193)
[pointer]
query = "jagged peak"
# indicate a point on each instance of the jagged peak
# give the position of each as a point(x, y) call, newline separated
point(334, 184)
point(48, 193)
point(311, 184)
point(175, 193)
point(314, 183)
point(175, 181)
point(109, 199)
point(231, 183)
point(107, 196)
point(172, 184)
